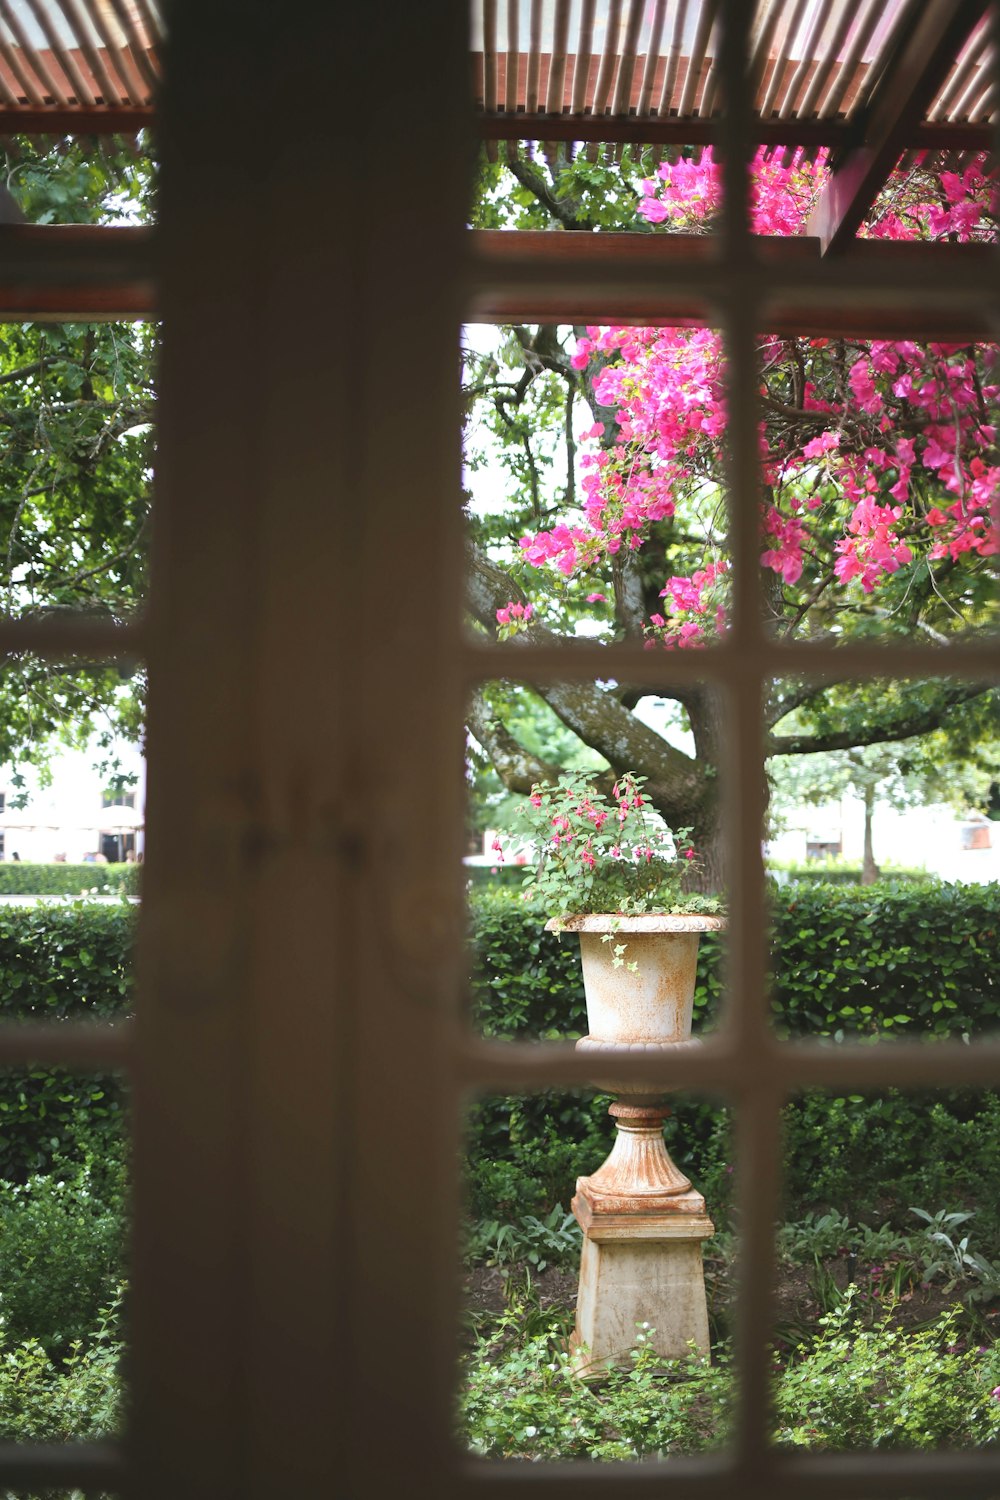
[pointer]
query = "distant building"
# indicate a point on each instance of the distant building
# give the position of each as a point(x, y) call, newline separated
point(80, 816)
point(933, 838)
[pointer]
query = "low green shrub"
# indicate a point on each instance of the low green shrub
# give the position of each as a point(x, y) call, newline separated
point(62, 1249)
point(886, 1387)
point(18, 878)
point(44, 1400)
point(62, 963)
point(878, 1387)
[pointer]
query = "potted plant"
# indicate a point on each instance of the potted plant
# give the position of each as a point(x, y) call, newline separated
point(612, 871)
point(609, 869)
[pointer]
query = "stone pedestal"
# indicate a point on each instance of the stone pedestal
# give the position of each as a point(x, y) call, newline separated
point(642, 1222)
point(642, 1231)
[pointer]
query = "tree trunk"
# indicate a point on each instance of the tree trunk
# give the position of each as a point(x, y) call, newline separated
point(710, 876)
point(869, 869)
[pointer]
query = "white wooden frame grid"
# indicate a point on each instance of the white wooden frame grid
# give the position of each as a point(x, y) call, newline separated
point(298, 1061)
point(743, 1061)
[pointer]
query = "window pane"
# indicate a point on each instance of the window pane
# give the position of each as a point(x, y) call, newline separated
point(596, 496)
point(879, 487)
point(887, 1271)
point(76, 467)
point(624, 1353)
point(78, 180)
point(64, 1212)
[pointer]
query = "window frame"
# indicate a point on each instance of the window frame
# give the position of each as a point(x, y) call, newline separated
point(297, 1059)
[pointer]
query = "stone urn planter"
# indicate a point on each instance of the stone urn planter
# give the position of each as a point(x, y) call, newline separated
point(642, 1221)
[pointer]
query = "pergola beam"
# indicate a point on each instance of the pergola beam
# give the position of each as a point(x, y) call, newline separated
point(910, 289)
point(124, 119)
point(912, 79)
point(656, 130)
point(58, 272)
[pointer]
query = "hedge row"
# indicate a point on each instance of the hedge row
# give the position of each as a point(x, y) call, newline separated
point(18, 878)
point(846, 961)
point(61, 963)
point(878, 961)
point(884, 960)
point(842, 872)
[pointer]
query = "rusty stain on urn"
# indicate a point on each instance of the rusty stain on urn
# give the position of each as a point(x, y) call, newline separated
point(648, 999)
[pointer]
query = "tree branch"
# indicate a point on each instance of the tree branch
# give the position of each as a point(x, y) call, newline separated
point(563, 210)
point(517, 767)
point(916, 720)
point(676, 782)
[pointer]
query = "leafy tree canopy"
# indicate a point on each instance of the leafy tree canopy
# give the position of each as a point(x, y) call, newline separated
point(595, 461)
point(76, 410)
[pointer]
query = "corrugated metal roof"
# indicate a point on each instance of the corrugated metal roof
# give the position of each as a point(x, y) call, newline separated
point(816, 67)
point(86, 64)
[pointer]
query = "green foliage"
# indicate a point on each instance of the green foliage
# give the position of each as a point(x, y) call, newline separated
point(866, 963)
point(594, 853)
point(537, 1242)
point(61, 1253)
point(885, 1387)
point(59, 964)
point(882, 1387)
point(42, 1400)
point(19, 878)
point(883, 1153)
point(843, 872)
point(76, 463)
point(524, 1400)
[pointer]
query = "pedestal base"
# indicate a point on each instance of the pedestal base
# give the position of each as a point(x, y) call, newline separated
point(640, 1268)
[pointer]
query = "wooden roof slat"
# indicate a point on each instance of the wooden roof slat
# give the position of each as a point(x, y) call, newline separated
point(490, 54)
point(706, 20)
point(84, 93)
point(7, 93)
point(968, 105)
point(626, 65)
point(513, 51)
point(673, 60)
point(974, 53)
point(557, 65)
point(826, 65)
point(584, 55)
point(111, 92)
point(609, 59)
point(134, 48)
point(772, 95)
point(153, 29)
point(907, 86)
point(820, 18)
point(849, 66)
point(534, 56)
point(490, 66)
point(652, 57)
point(31, 54)
point(904, 22)
point(760, 47)
point(128, 77)
point(713, 79)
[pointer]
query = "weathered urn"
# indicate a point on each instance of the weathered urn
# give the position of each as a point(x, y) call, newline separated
point(642, 1222)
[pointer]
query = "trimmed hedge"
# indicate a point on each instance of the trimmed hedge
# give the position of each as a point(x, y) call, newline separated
point(843, 872)
point(847, 962)
point(62, 963)
point(862, 961)
point(18, 878)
